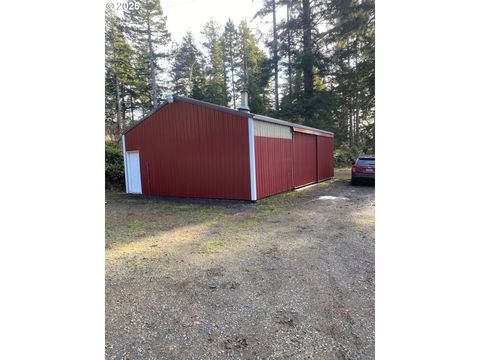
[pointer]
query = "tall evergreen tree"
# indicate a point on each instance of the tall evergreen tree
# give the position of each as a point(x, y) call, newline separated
point(351, 36)
point(231, 58)
point(119, 74)
point(326, 50)
point(254, 70)
point(270, 7)
point(188, 69)
point(216, 82)
point(149, 36)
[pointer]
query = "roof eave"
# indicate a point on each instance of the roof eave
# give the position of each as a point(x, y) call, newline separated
point(213, 106)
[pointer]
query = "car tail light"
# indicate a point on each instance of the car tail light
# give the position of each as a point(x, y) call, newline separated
point(354, 168)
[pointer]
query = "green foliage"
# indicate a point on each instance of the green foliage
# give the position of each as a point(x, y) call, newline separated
point(339, 60)
point(146, 28)
point(114, 170)
point(188, 72)
point(326, 64)
point(346, 155)
point(120, 75)
point(216, 90)
point(255, 71)
point(231, 59)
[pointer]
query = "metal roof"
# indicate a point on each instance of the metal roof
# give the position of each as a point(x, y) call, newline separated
point(228, 110)
point(211, 106)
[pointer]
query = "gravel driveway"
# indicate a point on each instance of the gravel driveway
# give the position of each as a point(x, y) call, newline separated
point(290, 277)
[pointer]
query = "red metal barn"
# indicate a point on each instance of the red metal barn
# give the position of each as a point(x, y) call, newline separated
point(190, 148)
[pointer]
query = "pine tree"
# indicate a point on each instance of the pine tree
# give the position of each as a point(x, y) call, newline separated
point(351, 36)
point(216, 75)
point(187, 70)
point(325, 50)
point(119, 74)
point(231, 58)
point(254, 70)
point(149, 36)
point(270, 7)
point(289, 38)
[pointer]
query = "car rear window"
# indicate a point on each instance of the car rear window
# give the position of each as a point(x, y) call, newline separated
point(366, 162)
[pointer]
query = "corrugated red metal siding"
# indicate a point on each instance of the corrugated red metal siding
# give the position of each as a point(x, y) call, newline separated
point(189, 150)
point(325, 157)
point(305, 158)
point(273, 165)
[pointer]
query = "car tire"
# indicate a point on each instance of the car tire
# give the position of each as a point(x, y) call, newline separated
point(353, 182)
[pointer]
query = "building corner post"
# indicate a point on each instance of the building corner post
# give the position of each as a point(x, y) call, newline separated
point(251, 150)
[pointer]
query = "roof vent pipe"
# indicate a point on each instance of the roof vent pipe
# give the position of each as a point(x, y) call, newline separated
point(244, 101)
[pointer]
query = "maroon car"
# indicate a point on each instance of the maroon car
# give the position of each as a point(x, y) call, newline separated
point(363, 169)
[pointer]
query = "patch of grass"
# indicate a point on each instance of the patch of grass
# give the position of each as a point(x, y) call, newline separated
point(213, 245)
point(326, 183)
point(245, 224)
point(267, 210)
point(158, 205)
point(135, 224)
point(212, 222)
point(185, 207)
point(290, 194)
point(108, 228)
point(137, 264)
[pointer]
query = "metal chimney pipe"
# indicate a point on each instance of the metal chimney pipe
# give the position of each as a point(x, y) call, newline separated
point(244, 101)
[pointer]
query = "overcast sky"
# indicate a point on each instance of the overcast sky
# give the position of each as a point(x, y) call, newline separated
point(183, 15)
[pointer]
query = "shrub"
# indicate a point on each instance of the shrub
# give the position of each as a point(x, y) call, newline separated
point(345, 156)
point(114, 171)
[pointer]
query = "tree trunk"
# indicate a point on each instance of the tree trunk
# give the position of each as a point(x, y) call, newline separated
point(225, 82)
point(245, 72)
point(124, 109)
point(289, 52)
point(119, 104)
point(117, 93)
point(151, 58)
point(233, 88)
point(132, 105)
point(373, 145)
point(357, 120)
point(307, 59)
point(350, 122)
point(357, 110)
point(350, 96)
point(275, 53)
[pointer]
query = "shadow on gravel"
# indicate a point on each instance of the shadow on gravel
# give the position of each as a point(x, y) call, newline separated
point(287, 277)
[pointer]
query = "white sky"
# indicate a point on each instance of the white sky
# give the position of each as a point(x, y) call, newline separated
point(183, 15)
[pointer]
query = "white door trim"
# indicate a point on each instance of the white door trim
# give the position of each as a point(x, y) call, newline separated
point(251, 150)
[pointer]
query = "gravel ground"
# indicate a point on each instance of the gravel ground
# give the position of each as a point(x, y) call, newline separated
point(290, 277)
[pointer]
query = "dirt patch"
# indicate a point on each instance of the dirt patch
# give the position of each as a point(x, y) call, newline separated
point(289, 277)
